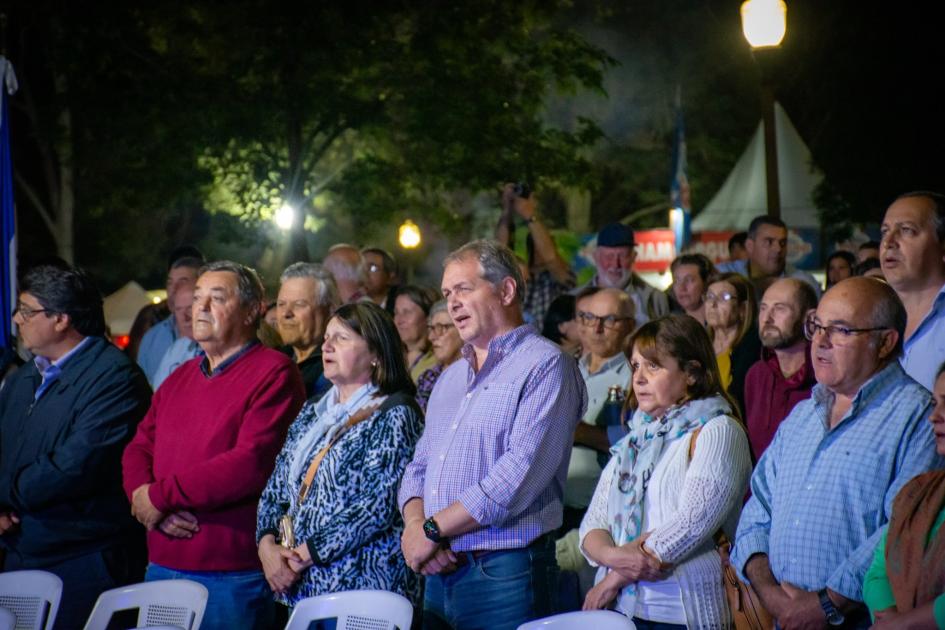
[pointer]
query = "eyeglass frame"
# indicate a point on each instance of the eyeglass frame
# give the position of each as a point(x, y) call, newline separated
point(597, 320)
point(440, 329)
point(28, 313)
point(811, 328)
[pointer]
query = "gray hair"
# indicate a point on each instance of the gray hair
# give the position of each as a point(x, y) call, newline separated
point(247, 280)
point(438, 307)
point(326, 291)
point(341, 269)
point(496, 262)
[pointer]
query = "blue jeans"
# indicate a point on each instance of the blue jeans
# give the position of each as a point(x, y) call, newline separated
point(239, 600)
point(499, 590)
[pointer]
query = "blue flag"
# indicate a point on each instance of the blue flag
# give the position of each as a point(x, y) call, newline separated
point(679, 201)
point(7, 215)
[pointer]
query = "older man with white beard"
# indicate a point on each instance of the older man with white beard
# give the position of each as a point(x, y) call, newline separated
point(613, 258)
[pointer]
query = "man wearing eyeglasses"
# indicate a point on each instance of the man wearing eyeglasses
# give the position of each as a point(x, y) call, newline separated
point(64, 419)
point(913, 262)
point(605, 319)
point(380, 273)
point(823, 490)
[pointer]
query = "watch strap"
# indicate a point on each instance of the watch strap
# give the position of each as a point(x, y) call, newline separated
point(834, 616)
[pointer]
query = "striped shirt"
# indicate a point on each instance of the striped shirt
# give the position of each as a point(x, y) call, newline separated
point(498, 440)
point(821, 498)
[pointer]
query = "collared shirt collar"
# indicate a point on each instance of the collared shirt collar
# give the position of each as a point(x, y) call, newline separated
point(51, 370)
point(205, 364)
point(498, 346)
point(804, 374)
point(823, 396)
point(615, 362)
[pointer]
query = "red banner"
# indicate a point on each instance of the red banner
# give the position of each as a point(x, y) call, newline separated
point(655, 249)
point(713, 245)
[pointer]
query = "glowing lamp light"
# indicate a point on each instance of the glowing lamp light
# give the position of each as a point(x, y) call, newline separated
point(409, 235)
point(764, 22)
point(156, 300)
point(285, 217)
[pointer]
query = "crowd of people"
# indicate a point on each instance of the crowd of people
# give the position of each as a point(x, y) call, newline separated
point(505, 446)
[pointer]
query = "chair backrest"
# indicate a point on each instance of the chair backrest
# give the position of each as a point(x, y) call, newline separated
point(32, 596)
point(355, 610)
point(161, 603)
point(597, 619)
point(7, 619)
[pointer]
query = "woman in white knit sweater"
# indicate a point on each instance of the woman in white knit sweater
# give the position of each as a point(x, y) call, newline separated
point(651, 523)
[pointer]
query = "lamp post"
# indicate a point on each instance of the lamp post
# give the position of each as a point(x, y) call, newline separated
point(408, 235)
point(764, 23)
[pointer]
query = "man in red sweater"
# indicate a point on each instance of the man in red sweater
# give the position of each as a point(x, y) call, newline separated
point(784, 375)
point(203, 453)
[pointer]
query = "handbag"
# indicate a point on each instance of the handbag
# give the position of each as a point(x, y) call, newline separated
point(745, 606)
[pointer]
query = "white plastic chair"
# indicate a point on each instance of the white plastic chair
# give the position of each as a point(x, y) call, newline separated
point(7, 619)
point(355, 610)
point(597, 619)
point(32, 596)
point(178, 603)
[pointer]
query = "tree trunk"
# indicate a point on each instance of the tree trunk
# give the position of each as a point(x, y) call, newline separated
point(65, 212)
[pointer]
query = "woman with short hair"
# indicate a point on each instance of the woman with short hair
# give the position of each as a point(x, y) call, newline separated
point(446, 345)
point(672, 483)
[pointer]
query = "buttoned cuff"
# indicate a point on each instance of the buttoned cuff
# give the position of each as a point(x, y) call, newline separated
point(847, 582)
point(481, 507)
point(745, 547)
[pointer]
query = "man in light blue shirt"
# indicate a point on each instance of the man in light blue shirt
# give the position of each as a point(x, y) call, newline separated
point(184, 347)
point(912, 256)
point(767, 256)
point(182, 273)
point(822, 493)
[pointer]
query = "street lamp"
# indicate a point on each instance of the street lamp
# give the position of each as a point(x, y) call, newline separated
point(285, 217)
point(764, 23)
point(409, 235)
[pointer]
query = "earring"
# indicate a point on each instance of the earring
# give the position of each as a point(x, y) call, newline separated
point(374, 363)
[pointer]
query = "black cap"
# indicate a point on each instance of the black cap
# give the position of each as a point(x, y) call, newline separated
point(615, 235)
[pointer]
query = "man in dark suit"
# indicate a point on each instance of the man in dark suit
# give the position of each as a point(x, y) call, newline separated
point(65, 418)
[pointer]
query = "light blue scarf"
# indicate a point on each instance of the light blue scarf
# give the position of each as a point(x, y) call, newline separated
point(638, 453)
point(330, 416)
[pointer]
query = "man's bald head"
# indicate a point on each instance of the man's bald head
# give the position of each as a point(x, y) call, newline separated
point(873, 296)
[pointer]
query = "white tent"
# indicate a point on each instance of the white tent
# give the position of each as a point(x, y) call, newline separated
point(743, 196)
point(122, 306)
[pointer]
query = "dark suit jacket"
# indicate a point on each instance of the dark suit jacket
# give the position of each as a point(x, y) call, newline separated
point(60, 456)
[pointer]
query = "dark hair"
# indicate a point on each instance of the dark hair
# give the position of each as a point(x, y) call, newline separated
point(247, 280)
point(68, 291)
point(738, 238)
point(868, 245)
point(938, 209)
point(189, 262)
point(560, 310)
point(866, 265)
point(376, 327)
point(845, 255)
point(763, 219)
point(148, 316)
point(706, 268)
point(805, 295)
point(747, 306)
point(390, 263)
point(683, 339)
point(424, 297)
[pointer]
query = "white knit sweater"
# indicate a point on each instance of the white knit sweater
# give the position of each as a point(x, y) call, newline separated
point(688, 502)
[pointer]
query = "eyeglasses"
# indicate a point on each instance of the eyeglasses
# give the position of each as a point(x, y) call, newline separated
point(712, 298)
point(439, 329)
point(835, 334)
point(26, 312)
point(590, 320)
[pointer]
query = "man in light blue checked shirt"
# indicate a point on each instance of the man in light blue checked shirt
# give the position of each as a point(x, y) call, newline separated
point(483, 494)
point(822, 493)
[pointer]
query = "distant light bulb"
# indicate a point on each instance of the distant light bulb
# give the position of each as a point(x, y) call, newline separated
point(285, 216)
point(409, 234)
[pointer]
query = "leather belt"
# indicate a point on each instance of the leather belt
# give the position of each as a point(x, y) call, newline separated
point(465, 557)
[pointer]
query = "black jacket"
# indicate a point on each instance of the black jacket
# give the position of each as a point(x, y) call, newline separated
point(60, 457)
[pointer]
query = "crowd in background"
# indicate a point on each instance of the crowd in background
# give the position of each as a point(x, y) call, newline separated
point(503, 446)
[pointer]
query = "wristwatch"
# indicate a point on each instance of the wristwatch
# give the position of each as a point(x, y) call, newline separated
point(432, 531)
point(834, 616)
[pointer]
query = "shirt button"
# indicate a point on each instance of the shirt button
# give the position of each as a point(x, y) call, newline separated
point(810, 486)
point(433, 492)
point(797, 521)
point(469, 395)
point(442, 457)
point(454, 426)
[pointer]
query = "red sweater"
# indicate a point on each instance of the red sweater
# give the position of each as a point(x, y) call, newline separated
point(208, 446)
point(769, 397)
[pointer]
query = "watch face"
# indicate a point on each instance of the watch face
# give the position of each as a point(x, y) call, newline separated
point(431, 530)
